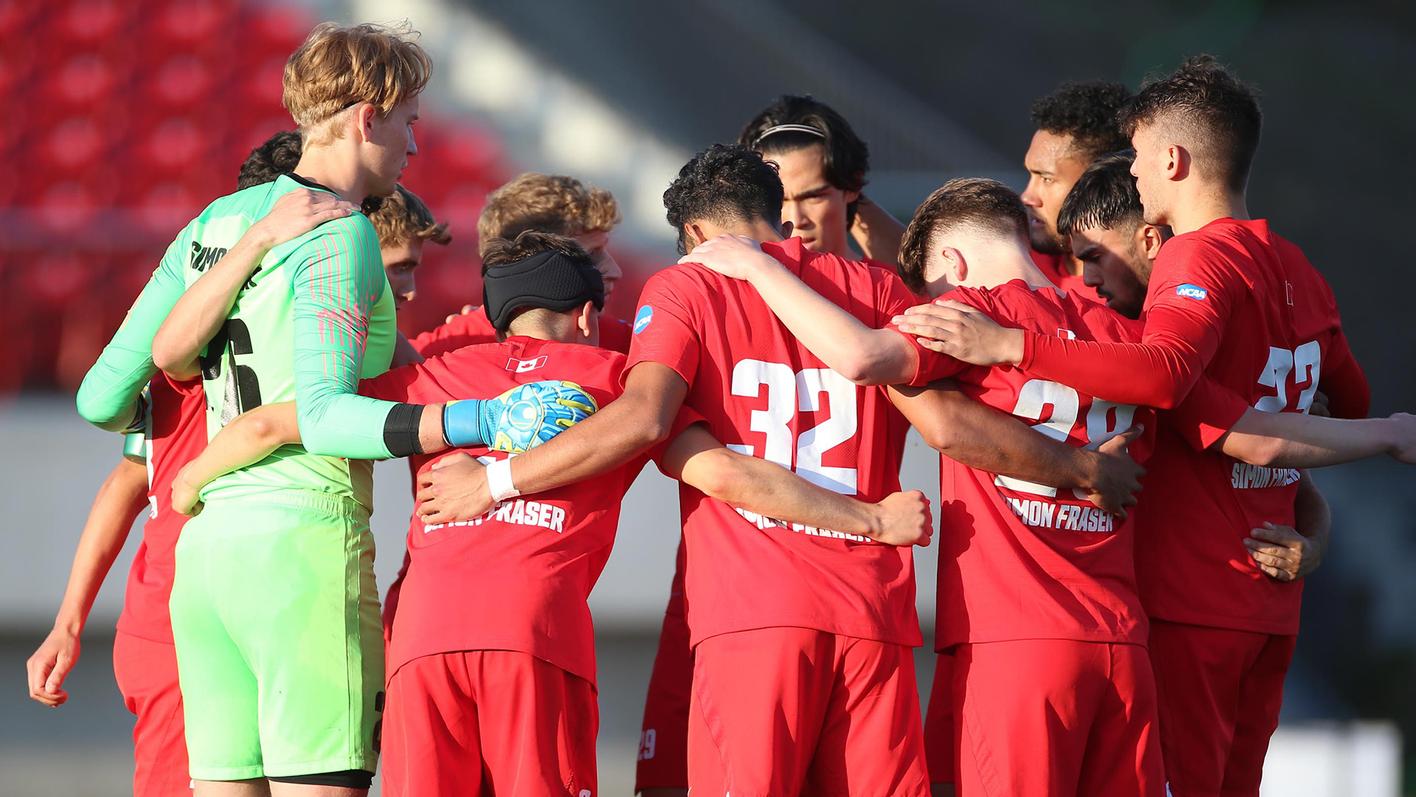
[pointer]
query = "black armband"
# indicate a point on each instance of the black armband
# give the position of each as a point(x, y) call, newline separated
point(400, 433)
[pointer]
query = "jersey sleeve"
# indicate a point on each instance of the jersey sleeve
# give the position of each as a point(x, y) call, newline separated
point(1208, 412)
point(687, 416)
point(931, 365)
point(108, 396)
point(338, 278)
point(1344, 382)
point(1192, 293)
point(664, 331)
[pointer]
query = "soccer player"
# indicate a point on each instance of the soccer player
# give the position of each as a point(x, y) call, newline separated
point(277, 155)
point(790, 631)
point(550, 203)
point(1231, 299)
point(1075, 124)
point(1103, 221)
point(315, 317)
point(533, 561)
point(169, 430)
point(823, 166)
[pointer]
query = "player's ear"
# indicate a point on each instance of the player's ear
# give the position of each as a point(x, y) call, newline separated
point(1177, 162)
point(787, 228)
point(1149, 237)
point(585, 321)
point(956, 267)
point(362, 120)
point(693, 236)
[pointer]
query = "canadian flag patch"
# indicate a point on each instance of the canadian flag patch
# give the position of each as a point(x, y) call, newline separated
point(522, 366)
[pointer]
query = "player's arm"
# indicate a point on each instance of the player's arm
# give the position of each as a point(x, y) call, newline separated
point(457, 488)
point(696, 458)
point(249, 438)
point(863, 355)
point(877, 232)
point(1296, 440)
point(984, 438)
point(110, 395)
point(1184, 325)
point(202, 309)
point(1286, 554)
point(118, 502)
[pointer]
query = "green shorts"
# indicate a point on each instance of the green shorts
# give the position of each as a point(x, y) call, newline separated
point(275, 615)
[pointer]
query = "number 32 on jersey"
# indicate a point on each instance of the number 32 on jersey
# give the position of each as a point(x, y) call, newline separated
point(791, 392)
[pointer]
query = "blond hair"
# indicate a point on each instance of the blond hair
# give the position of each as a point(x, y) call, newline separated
point(403, 217)
point(549, 203)
point(339, 67)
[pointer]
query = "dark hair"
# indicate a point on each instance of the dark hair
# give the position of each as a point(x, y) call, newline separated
point(529, 243)
point(962, 201)
point(845, 159)
point(724, 183)
point(1211, 102)
point(1087, 113)
point(1104, 196)
point(278, 155)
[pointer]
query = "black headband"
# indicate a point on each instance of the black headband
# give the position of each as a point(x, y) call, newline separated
point(549, 280)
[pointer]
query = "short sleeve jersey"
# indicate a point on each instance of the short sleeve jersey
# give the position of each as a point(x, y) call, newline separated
point(468, 329)
point(1281, 335)
point(1019, 560)
point(318, 309)
point(764, 395)
point(518, 577)
point(174, 433)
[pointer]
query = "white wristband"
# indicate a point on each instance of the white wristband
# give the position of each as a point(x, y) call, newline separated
point(499, 481)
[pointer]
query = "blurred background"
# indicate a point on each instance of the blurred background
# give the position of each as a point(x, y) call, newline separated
point(125, 117)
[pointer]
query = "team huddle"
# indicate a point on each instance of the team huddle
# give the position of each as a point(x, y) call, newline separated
point(1123, 321)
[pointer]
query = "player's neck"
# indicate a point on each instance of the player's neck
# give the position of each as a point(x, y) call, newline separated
point(1205, 205)
point(330, 169)
point(1008, 261)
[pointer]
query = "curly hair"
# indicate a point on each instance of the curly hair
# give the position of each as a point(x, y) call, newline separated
point(551, 203)
point(972, 201)
point(403, 217)
point(845, 158)
point(1217, 111)
point(1104, 196)
point(529, 243)
point(1086, 112)
point(725, 183)
point(278, 155)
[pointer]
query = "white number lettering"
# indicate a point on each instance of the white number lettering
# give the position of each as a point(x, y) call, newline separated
point(1105, 420)
point(1306, 360)
point(788, 393)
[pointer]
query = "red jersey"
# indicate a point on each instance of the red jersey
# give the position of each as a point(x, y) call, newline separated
point(1019, 560)
point(765, 395)
point(518, 577)
point(1057, 269)
point(176, 432)
point(471, 328)
point(1238, 284)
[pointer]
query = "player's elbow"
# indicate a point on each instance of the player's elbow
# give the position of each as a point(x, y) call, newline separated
point(94, 408)
point(171, 360)
point(866, 365)
point(1260, 451)
point(716, 474)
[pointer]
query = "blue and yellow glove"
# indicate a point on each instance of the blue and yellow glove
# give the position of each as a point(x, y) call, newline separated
point(519, 419)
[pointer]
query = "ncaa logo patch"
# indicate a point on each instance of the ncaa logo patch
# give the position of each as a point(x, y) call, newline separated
point(1190, 291)
point(642, 319)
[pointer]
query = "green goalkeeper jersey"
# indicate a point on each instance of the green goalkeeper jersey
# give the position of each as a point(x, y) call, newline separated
point(315, 317)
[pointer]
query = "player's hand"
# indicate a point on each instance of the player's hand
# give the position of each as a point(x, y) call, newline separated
point(962, 332)
point(50, 665)
point(184, 493)
point(1282, 553)
point(453, 489)
point(904, 519)
point(733, 256)
point(296, 213)
point(1403, 440)
point(1115, 478)
point(466, 309)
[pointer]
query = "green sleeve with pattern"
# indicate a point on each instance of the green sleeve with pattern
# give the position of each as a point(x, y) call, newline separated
point(108, 396)
point(338, 279)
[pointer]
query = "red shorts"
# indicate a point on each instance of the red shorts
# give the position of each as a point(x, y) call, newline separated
point(663, 740)
point(939, 749)
point(488, 722)
point(146, 672)
point(792, 710)
point(1055, 718)
point(1220, 691)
